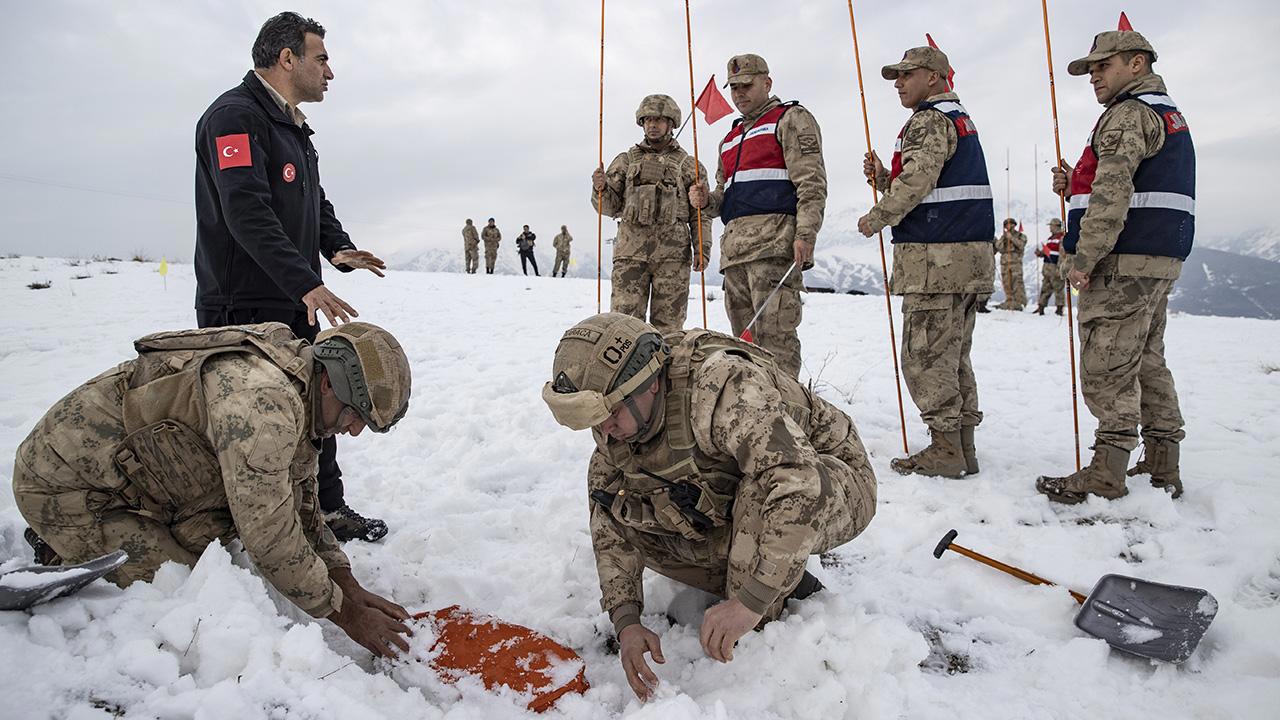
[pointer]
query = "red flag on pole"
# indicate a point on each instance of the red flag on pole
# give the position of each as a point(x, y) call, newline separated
point(712, 103)
point(1124, 22)
point(951, 73)
point(1019, 226)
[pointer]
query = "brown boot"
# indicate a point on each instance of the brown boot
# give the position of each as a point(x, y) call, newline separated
point(966, 446)
point(943, 457)
point(1103, 476)
point(1160, 461)
point(1040, 310)
point(1057, 310)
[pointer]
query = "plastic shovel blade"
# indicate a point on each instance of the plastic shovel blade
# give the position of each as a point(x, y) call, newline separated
point(22, 588)
point(1153, 620)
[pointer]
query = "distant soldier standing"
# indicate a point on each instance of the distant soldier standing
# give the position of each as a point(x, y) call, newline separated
point(646, 188)
point(1011, 245)
point(524, 246)
point(938, 199)
point(491, 236)
point(1129, 229)
point(471, 246)
point(771, 194)
point(1051, 282)
point(561, 243)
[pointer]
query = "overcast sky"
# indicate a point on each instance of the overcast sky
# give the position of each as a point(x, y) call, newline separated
point(442, 111)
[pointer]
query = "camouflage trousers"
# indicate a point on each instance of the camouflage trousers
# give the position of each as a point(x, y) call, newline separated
point(472, 252)
point(1051, 285)
point(725, 561)
point(1015, 290)
point(745, 288)
point(490, 256)
point(561, 265)
point(937, 336)
point(1123, 375)
point(984, 297)
point(660, 287)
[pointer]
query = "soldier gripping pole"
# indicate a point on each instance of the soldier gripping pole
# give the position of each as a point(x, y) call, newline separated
point(884, 267)
point(697, 164)
point(1062, 207)
point(600, 161)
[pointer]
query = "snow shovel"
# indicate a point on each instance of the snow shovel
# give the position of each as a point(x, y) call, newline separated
point(1144, 618)
point(502, 653)
point(22, 588)
point(746, 332)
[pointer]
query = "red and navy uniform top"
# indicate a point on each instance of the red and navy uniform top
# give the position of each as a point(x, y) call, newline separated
point(1053, 248)
point(756, 181)
point(1162, 212)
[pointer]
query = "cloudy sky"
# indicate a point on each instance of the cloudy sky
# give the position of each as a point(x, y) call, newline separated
point(442, 111)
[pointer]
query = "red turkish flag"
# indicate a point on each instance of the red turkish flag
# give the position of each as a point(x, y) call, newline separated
point(1124, 22)
point(233, 151)
point(712, 103)
point(1019, 226)
point(951, 73)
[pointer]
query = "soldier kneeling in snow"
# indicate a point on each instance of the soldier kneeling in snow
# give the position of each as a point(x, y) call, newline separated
point(711, 467)
point(211, 435)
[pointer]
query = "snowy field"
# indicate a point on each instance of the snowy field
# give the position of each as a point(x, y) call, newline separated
point(484, 495)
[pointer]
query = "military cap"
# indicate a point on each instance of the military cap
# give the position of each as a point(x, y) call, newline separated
point(1106, 44)
point(1055, 221)
point(743, 67)
point(928, 58)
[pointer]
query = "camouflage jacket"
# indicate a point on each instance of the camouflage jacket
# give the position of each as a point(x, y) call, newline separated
point(561, 242)
point(491, 235)
point(648, 192)
point(757, 237)
point(1128, 133)
point(469, 235)
point(928, 142)
point(1011, 244)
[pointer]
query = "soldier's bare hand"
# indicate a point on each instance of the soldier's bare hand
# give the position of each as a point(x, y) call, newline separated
point(373, 621)
point(723, 625)
point(872, 168)
point(1061, 177)
point(335, 309)
point(803, 254)
point(698, 194)
point(633, 642)
point(865, 227)
point(597, 179)
point(1078, 280)
point(699, 264)
point(360, 260)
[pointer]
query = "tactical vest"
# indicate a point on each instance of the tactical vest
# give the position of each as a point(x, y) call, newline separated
point(667, 486)
point(655, 193)
point(959, 209)
point(756, 179)
point(1052, 248)
point(165, 454)
point(1162, 212)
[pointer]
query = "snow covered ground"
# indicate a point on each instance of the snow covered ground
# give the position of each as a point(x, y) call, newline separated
point(485, 499)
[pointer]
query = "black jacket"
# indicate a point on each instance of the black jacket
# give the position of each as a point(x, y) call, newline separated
point(262, 221)
point(524, 241)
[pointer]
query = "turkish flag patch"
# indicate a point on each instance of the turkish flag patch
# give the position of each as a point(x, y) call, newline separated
point(233, 151)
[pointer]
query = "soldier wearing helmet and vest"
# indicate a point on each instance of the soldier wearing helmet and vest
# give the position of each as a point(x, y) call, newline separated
point(209, 435)
point(937, 199)
point(771, 194)
point(646, 190)
point(712, 467)
point(1130, 226)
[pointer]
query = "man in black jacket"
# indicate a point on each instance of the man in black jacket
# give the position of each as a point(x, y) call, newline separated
point(524, 245)
point(262, 219)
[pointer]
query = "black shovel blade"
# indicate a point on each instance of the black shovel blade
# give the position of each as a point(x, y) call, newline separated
point(1153, 620)
point(24, 587)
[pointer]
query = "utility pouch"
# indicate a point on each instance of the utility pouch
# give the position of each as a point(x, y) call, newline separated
point(169, 467)
point(642, 201)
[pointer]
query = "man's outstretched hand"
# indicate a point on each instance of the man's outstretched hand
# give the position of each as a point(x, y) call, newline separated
point(723, 625)
point(360, 260)
point(633, 642)
point(373, 621)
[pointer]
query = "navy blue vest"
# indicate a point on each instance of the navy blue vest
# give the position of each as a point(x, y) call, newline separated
point(1161, 219)
point(756, 178)
point(960, 208)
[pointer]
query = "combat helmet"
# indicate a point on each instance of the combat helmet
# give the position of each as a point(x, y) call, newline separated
point(658, 106)
point(368, 370)
point(599, 363)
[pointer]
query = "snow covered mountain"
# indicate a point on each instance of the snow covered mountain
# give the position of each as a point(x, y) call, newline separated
point(1260, 242)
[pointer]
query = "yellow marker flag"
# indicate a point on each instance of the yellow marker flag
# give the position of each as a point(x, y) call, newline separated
point(164, 267)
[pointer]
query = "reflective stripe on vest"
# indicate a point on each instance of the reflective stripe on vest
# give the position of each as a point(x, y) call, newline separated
point(756, 177)
point(1161, 217)
point(1053, 248)
point(959, 209)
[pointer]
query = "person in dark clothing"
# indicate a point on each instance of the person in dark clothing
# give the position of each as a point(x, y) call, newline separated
point(524, 244)
point(263, 221)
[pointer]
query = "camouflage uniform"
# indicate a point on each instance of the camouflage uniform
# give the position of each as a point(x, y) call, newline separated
point(1052, 284)
point(757, 249)
point(1011, 245)
point(164, 454)
point(648, 191)
point(782, 473)
point(491, 236)
point(471, 246)
point(561, 243)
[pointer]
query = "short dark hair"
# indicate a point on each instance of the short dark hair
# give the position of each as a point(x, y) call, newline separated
point(286, 30)
point(1127, 55)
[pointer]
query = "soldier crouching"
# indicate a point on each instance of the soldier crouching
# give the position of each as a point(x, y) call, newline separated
point(712, 467)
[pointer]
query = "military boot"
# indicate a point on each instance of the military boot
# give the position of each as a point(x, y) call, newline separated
point(1058, 311)
point(1039, 309)
point(943, 458)
point(1103, 476)
point(809, 585)
point(1160, 461)
point(347, 524)
point(967, 447)
point(982, 306)
point(44, 555)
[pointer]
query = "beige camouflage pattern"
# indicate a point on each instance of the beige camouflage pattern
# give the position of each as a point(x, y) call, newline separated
point(561, 242)
point(251, 474)
point(1012, 245)
point(1051, 285)
point(745, 289)
point(471, 247)
point(661, 287)
point(800, 481)
point(937, 337)
point(491, 236)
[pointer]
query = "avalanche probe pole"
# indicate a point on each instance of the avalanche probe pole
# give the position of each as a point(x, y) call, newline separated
point(746, 331)
point(600, 163)
point(697, 165)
